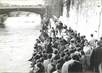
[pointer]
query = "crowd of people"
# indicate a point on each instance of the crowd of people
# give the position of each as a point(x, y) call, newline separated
point(60, 49)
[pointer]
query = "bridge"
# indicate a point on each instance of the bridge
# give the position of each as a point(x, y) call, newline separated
point(5, 11)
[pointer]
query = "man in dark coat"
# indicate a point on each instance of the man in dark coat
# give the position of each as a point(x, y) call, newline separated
point(73, 65)
point(96, 58)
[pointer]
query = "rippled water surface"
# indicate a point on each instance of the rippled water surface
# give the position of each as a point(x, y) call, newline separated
point(16, 43)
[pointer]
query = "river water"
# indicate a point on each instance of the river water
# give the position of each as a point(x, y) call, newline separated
point(16, 42)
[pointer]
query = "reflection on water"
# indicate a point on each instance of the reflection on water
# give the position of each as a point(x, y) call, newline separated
point(16, 43)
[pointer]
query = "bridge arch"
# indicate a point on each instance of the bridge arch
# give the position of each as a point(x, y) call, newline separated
point(4, 13)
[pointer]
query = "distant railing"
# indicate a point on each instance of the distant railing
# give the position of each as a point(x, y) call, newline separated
point(22, 6)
